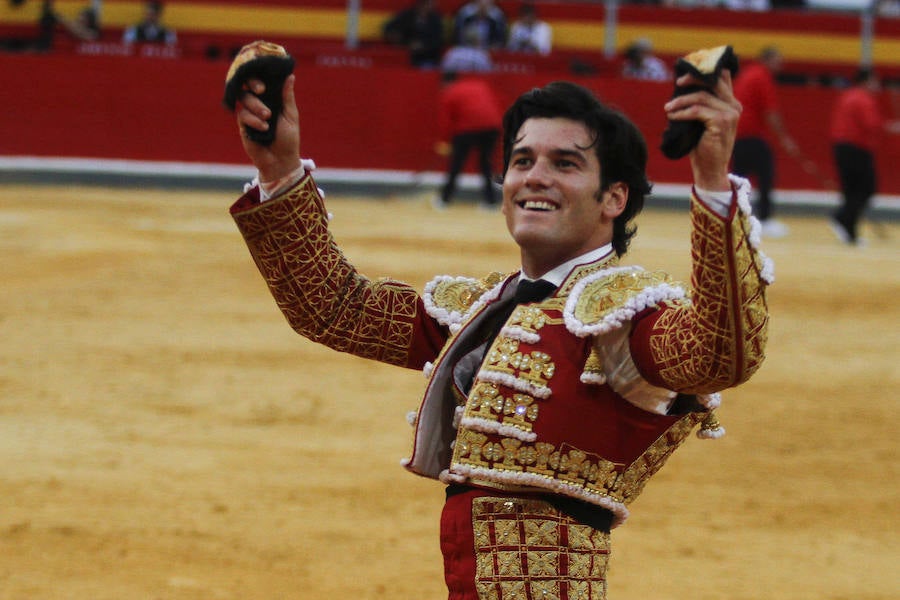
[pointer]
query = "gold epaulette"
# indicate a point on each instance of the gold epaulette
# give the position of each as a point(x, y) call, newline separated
point(604, 300)
point(450, 299)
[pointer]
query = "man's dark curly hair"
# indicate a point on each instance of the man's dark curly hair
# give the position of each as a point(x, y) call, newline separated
point(618, 144)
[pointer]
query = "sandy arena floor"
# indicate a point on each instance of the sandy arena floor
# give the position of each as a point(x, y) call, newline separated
point(165, 435)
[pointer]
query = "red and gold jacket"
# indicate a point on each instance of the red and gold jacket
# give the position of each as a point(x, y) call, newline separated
point(580, 394)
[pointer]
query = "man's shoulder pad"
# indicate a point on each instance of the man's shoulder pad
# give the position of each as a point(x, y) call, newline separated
point(604, 300)
point(459, 294)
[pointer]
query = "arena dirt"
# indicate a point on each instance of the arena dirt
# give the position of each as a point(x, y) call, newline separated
point(165, 435)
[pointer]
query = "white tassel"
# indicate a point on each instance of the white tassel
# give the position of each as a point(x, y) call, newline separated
point(710, 401)
point(711, 434)
point(710, 428)
point(593, 378)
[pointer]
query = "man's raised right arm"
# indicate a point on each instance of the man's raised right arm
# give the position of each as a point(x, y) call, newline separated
point(320, 293)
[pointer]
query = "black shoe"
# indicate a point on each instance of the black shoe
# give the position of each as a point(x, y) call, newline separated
point(843, 232)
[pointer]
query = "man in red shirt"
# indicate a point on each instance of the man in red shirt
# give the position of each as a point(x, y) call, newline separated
point(469, 118)
point(754, 87)
point(856, 126)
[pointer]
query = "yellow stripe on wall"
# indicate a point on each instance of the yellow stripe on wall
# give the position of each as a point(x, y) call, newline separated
point(677, 40)
point(309, 22)
point(205, 18)
point(748, 43)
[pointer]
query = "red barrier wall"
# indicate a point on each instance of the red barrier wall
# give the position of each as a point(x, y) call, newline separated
point(352, 117)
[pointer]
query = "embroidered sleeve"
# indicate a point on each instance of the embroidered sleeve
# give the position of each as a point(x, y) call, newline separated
point(715, 339)
point(321, 294)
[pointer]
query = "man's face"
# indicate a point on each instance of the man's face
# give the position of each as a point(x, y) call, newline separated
point(551, 194)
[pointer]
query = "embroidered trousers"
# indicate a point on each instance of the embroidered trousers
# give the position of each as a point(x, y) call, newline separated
point(506, 547)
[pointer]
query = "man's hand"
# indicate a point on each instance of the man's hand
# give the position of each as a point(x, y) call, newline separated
point(283, 156)
point(719, 112)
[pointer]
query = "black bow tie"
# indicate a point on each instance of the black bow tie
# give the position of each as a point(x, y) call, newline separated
point(532, 291)
point(526, 291)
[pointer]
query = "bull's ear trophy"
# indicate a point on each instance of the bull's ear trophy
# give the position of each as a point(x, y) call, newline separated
point(680, 137)
point(271, 64)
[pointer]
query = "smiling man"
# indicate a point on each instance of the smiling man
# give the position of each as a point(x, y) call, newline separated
point(554, 393)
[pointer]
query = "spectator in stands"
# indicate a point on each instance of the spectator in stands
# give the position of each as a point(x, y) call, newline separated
point(150, 29)
point(887, 8)
point(755, 88)
point(420, 28)
point(641, 63)
point(692, 3)
point(468, 55)
point(529, 34)
point(84, 27)
point(856, 128)
point(789, 4)
point(748, 5)
point(486, 19)
point(469, 119)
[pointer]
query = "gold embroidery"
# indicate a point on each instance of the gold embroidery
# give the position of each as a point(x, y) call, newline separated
point(527, 550)
point(728, 317)
point(710, 421)
point(535, 367)
point(603, 296)
point(485, 401)
point(518, 410)
point(508, 564)
point(322, 295)
point(528, 317)
point(582, 271)
point(542, 563)
point(591, 472)
point(635, 477)
point(460, 294)
point(543, 533)
point(594, 365)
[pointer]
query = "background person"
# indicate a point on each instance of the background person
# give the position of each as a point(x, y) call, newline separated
point(529, 34)
point(641, 63)
point(150, 29)
point(420, 28)
point(468, 56)
point(84, 27)
point(857, 126)
point(755, 88)
point(469, 117)
point(485, 19)
point(553, 392)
